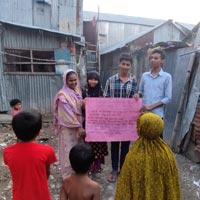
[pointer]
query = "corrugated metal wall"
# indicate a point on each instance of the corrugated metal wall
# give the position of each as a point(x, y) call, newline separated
point(109, 66)
point(89, 32)
point(35, 91)
point(58, 15)
point(19, 11)
point(191, 99)
point(118, 32)
point(42, 15)
point(15, 37)
point(67, 16)
point(177, 66)
point(167, 33)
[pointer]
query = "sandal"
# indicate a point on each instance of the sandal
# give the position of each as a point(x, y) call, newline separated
point(112, 177)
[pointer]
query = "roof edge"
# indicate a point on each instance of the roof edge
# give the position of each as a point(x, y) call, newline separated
point(40, 28)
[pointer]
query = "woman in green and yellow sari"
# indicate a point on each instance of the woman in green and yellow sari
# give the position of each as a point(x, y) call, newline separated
point(149, 171)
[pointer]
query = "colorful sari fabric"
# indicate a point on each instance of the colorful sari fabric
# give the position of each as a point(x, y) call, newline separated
point(67, 106)
point(67, 138)
point(149, 171)
point(67, 119)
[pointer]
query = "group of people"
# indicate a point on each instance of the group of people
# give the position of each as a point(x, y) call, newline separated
point(69, 121)
point(147, 171)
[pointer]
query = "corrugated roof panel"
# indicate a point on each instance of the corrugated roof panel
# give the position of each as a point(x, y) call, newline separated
point(39, 28)
point(162, 33)
point(188, 26)
point(16, 38)
point(121, 18)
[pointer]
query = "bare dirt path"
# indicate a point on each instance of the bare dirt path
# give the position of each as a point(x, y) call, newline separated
point(189, 171)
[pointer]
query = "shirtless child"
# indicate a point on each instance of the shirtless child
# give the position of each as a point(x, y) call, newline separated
point(79, 186)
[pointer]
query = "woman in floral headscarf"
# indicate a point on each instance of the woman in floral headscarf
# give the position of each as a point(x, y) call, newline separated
point(149, 171)
point(68, 118)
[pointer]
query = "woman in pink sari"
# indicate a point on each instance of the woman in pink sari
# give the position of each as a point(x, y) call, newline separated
point(68, 119)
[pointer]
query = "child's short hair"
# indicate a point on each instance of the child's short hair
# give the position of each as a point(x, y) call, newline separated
point(126, 57)
point(81, 157)
point(159, 51)
point(14, 102)
point(27, 125)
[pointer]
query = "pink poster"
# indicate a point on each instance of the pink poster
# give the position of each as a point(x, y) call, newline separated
point(112, 119)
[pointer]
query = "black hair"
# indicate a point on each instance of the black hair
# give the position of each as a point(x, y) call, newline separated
point(27, 125)
point(159, 51)
point(93, 91)
point(93, 75)
point(14, 102)
point(70, 73)
point(126, 57)
point(81, 157)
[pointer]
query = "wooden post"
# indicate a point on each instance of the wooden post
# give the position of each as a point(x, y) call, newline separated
point(98, 43)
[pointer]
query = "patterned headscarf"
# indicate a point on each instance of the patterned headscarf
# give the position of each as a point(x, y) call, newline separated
point(149, 171)
point(150, 125)
point(66, 88)
point(67, 105)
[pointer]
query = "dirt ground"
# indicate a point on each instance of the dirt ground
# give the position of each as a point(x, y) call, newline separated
point(189, 171)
